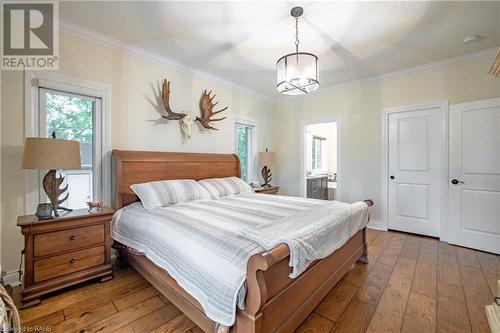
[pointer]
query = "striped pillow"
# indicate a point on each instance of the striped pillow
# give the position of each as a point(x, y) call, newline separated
point(223, 187)
point(169, 192)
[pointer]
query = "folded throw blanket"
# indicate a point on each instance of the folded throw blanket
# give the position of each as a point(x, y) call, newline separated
point(312, 234)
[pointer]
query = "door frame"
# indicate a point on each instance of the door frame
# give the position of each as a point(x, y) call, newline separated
point(303, 150)
point(443, 105)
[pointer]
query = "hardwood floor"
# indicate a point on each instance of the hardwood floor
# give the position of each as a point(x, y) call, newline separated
point(411, 284)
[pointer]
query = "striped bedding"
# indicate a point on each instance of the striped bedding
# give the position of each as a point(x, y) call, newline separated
point(205, 245)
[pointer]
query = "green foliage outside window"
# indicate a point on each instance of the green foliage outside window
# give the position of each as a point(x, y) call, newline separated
point(69, 117)
point(242, 137)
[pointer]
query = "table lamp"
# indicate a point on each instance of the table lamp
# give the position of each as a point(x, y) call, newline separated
point(267, 159)
point(52, 154)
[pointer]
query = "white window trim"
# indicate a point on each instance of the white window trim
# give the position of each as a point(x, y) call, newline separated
point(253, 165)
point(52, 80)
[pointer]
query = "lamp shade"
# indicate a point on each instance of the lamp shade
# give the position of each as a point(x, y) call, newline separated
point(51, 154)
point(267, 158)
point(297, 73)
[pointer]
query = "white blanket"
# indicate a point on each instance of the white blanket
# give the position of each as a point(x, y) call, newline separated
point(312, 234)
point(202, 245)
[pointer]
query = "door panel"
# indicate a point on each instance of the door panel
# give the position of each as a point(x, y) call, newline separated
point(474, 193)
point(415, 171)
point(486, 202)
point(413, 200)
point(412, 144)
point(480, 128)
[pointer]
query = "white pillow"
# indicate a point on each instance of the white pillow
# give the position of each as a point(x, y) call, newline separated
point(169, 192)
point(223, 187)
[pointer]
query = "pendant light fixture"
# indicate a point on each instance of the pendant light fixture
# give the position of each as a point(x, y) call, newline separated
point(297, 73)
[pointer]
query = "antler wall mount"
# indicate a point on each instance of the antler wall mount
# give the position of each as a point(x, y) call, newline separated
point(206, 108)
point(165, 96)
point(186, 120)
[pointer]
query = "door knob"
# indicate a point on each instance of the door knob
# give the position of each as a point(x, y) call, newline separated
point(456, 181)
point(392, 177)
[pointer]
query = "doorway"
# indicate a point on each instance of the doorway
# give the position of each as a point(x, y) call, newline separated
point(320, 159)
point(414, 168)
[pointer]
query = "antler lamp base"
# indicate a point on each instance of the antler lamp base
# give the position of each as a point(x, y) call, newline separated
point(267, 176)
point(52, 186)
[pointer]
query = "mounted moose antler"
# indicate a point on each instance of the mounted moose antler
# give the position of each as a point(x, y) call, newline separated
point(206, 108)
point(165, 92)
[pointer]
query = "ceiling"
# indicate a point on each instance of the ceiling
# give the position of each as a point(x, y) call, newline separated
point(241, 41)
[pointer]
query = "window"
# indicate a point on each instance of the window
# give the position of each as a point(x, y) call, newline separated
point(244, 147)
point(318, 152)
point(73, 117)
point(75, 109)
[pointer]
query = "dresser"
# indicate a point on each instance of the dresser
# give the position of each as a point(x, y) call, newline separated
point(317, 187)
point(66, 250)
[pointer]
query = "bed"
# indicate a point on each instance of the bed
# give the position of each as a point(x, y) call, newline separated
point(273, 302)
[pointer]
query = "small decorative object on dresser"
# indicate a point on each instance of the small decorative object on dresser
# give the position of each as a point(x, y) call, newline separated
point(267, 190)
point(52, 154)
point(64, 251)
point(97, 205)
point(267, 159)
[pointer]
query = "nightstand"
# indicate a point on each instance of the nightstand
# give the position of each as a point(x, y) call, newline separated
point(267, 190)
point(66, 250)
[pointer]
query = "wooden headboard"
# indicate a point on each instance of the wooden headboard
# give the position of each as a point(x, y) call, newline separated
point(134, 167)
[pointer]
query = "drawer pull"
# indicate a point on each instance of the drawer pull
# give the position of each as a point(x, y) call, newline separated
point(73, 237)
point(72, 260)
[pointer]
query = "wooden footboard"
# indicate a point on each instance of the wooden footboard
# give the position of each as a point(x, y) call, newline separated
point(277, 303)
point(274, 301)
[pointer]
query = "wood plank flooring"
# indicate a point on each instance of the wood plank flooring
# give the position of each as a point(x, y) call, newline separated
point(411, 284)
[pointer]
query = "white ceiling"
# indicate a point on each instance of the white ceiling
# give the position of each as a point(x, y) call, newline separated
point(241, 41)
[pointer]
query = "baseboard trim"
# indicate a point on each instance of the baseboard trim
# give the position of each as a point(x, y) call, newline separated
point(377, 225)
point(11, 278)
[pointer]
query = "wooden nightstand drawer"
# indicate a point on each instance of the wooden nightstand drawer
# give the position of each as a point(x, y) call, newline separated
point(63, 264)
point(69, 249)
point(59, 241)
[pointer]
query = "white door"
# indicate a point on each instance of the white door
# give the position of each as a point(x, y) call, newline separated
point(474, 188)
point(414, 189)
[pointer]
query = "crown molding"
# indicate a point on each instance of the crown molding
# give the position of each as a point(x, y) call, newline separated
point(406, 71)
point(132, 50)
point(107, 41)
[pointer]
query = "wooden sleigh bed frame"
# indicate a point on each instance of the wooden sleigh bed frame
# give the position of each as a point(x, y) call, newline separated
point(274, 302)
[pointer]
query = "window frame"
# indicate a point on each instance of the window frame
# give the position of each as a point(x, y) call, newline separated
point(323, 153)
point(96, 191)
point(252, 150)
point(70, 85)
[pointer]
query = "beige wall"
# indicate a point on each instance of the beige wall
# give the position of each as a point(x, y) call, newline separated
point(136, 123)
point(359, 109)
